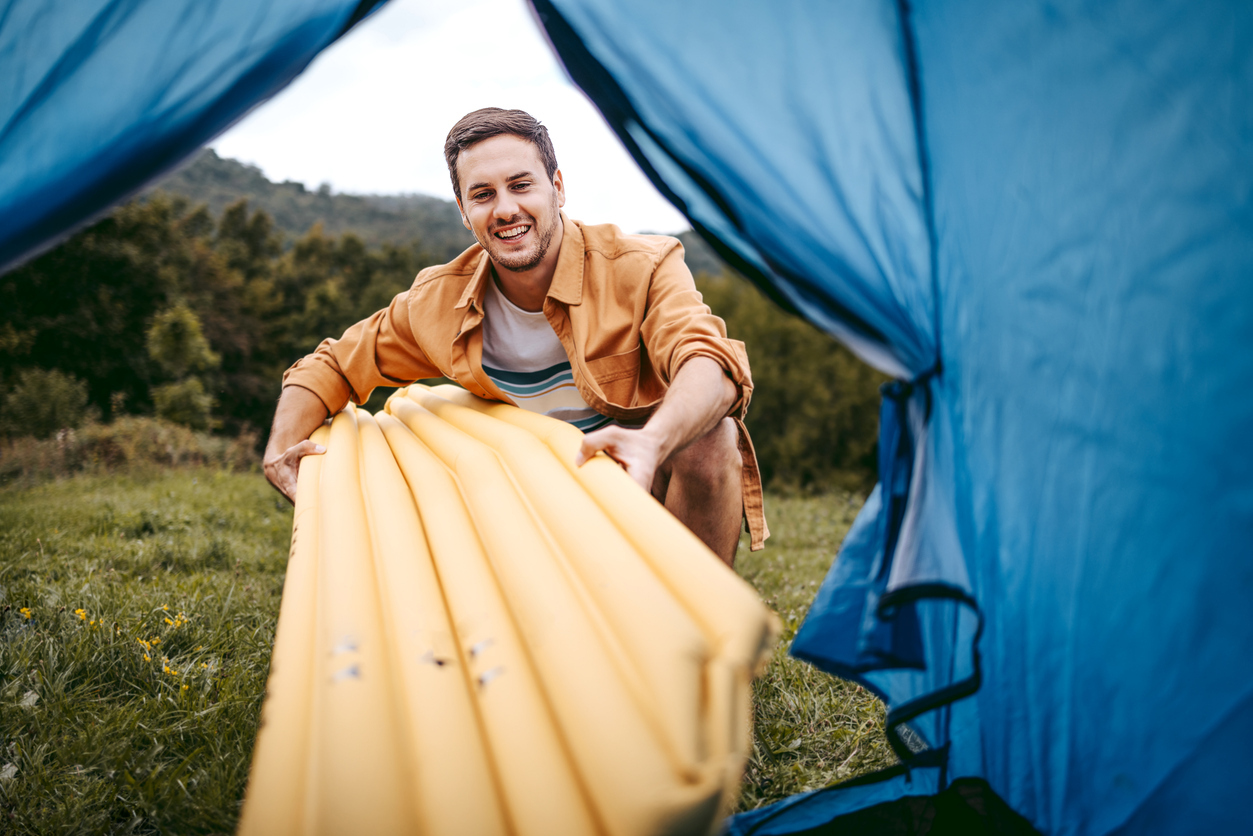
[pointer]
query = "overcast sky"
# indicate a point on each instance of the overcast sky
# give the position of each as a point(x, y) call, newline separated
point(371, 113)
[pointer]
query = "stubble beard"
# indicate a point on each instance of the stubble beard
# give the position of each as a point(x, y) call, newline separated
point(521, 262)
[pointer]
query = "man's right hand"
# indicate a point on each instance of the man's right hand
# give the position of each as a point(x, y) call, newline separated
point(298, 414)
point(283, 468)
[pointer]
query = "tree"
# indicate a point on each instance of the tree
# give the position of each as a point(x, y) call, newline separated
point(84, 307)
point(160, 308)
point(176, 343)
point(814, 415)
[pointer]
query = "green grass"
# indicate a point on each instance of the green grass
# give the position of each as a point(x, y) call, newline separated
point(810, 729)
point(96, 738)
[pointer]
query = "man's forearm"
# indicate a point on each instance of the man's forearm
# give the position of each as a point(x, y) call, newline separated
point(298, 414)
point(698, 398)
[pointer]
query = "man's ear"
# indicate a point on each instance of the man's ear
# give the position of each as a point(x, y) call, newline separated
point(464, 220)
point(560, 186)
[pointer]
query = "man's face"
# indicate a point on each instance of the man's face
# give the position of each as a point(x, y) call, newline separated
point(508, 202)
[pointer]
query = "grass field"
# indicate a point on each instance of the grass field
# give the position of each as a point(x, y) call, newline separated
point(137, 619)
point(810, 729)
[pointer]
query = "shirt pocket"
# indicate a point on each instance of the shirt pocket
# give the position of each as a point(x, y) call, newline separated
point(616, 375)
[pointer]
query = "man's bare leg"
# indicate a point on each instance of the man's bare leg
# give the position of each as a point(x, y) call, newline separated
point(700, 485)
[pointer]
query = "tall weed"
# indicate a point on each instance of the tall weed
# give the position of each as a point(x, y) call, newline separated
point(130, 445)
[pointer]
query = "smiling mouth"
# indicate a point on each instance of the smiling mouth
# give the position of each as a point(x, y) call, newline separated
point(513, 233)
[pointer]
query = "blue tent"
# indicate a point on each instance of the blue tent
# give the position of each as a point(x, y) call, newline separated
point(99, 97)
point(1037, 216)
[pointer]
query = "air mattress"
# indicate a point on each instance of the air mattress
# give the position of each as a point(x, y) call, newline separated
point(478, 637)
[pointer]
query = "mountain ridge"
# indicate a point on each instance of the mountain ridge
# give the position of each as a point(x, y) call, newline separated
point(399, 219)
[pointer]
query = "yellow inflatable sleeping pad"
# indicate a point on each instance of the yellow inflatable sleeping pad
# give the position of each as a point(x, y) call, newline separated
point(478, 637)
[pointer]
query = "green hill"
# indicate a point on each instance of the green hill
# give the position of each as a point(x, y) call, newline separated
point(376, 219)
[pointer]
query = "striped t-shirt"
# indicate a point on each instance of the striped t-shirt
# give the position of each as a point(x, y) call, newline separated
point(526, 361)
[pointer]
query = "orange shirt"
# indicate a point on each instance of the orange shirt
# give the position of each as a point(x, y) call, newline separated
point(624, 307)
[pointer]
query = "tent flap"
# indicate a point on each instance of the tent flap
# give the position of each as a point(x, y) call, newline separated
point(720, 126)
point(100, 97)
point(1039, 214)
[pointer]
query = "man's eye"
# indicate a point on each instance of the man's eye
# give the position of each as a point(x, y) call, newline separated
point(482, 195)
point(520, 186)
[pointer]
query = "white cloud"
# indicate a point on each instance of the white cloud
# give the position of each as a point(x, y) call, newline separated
point(371, 113)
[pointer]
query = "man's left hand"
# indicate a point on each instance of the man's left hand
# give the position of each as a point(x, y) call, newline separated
point(638, 451)
point(698, 398)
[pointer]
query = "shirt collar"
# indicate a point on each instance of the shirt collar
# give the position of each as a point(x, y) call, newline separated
point(477, 285)
point(567, 284)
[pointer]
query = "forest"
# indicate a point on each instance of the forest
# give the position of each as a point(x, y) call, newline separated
point(187, 303)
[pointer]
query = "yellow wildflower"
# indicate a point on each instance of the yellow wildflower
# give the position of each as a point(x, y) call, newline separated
point(171, 623)
point(26, 613)
point(184, 687)
point(81, 613)
point(147, 658)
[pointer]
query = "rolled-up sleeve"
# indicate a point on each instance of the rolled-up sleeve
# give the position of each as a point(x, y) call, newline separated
point(377, 351)
point(679, 326)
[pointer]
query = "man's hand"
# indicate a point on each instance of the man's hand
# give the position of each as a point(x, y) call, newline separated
point(298, 414)
point(699, 397)
point(638, 451)
point(283, 468)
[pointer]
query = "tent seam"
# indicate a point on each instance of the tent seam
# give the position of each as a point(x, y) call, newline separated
point(909, 49)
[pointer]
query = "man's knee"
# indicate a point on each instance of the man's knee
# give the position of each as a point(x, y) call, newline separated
point(713, 459)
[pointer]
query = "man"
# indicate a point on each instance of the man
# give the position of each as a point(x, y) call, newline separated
point(583, 323)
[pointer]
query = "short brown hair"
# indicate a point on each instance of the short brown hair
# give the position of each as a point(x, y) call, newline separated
point(488, 122)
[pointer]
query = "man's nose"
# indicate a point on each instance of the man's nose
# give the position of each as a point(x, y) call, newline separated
point(506, 206)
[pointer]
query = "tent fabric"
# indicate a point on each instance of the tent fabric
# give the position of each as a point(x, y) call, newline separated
point(99, 97)
point(896, 802)
point(1039, 216)
point(852, 253)
point(812, 810)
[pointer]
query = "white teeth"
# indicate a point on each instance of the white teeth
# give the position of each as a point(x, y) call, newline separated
point(512, 233)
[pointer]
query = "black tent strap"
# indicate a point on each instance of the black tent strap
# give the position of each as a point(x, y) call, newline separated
point(889, 604)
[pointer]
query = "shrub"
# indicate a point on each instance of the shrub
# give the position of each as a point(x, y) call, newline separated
point(43, 402)
point(185, 402)
point(128, 445)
